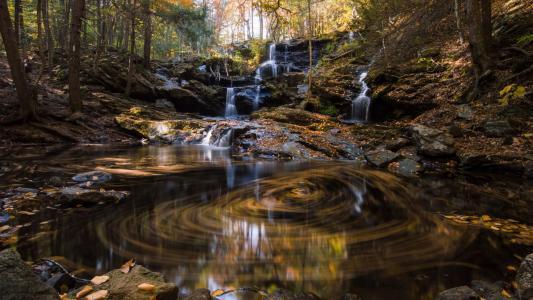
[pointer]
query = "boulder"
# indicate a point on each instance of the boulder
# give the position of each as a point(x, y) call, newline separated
point(381, 158)
point(524, 278)
point(18, 282)
point(459, 293)
point(432, 142)
point(126, 285)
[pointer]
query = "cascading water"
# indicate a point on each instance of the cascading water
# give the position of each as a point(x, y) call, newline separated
point(231, 110)
point(361, 103)
point(206, 141)
point(222, 141)
point(169, 84)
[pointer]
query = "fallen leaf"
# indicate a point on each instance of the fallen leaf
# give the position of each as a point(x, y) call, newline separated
point(506, 294)
point(99, 279)
point(98, 295)
point(84, 291)
point(146, 287)
point(217, 293)
point(63, 296)
point(126, 267)
point(4, 228)
point(486, 218)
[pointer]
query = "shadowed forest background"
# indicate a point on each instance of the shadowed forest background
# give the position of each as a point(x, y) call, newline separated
point(266, 149)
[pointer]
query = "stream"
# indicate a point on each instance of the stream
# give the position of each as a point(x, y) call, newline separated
point(206, 219)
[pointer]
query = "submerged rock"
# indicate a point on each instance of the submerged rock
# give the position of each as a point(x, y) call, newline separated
point(524, 278)
point(200, 294)
point(126, 285)
point(288, 295)
point(18, 282)
point(433, 142)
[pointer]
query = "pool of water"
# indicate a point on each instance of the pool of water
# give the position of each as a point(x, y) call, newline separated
point(206, 219)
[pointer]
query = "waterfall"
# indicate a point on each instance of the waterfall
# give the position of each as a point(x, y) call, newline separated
point(206, 141)
point(169, 84)
point(223, 141)
point(231, 110)
point(361, 103)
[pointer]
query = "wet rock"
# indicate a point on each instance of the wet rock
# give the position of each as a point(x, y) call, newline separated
point(288, 295)
point(458, 293)
point(406, 166)
point(432, 142)
point(381, 158)
point(18, 281)
point(455, 131)
point(499, 128)
point(489, 291)
point(524, 278)
point(61, 282)
point(200, 294)
point(26, 190)
point(94, 176)
point(125, 286)
point(74, 195)
point(292, 148)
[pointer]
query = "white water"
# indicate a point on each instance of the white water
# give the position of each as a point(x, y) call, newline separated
point(231, 110)
point(169, 84)
point(206, 141)
point(361, 104)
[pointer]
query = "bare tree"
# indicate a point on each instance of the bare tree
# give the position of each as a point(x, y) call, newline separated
point(131, 64)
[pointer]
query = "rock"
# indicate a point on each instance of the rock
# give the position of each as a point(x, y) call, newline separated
point(459, 293)
point(487, 290)
point(407, 167)
point(397, 144)
point(125, 286)
point(524, 278)
point(77, 195)
point(200, 294)
point(381, 158)
point(465, 112)
point(499, 128)
point(94, 176)
point(432, 142)
point(55, 181)
point(455, 131)
point(165, 104)
point(18, 281)
point(61, 282)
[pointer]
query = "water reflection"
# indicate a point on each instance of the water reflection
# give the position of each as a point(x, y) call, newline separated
point(206, 220)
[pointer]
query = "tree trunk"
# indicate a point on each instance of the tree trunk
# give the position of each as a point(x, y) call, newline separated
point(18, 11)
point(40, 38)
point(131, 64)
point(147, 32)
point(479, 25)
point(66, 21)
point(48, 34)
point(74, 56)
point(310, 32)
point(25, 93)
point(99, 34)
point(261, 23)
point(459, 19)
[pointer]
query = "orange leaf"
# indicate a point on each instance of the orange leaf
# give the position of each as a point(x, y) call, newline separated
point(126, 267)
